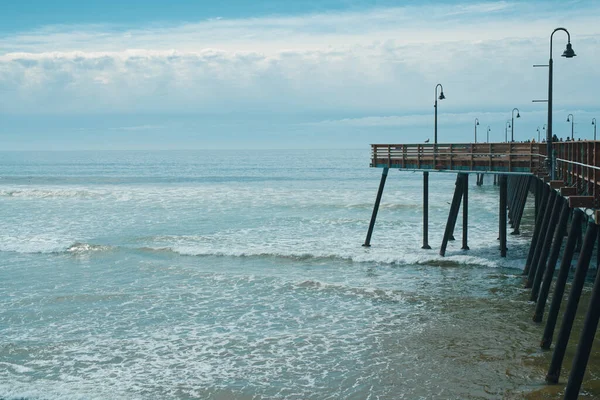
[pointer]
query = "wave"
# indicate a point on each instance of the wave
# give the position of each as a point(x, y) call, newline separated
point(210, 246)
point(206, 247)
point(50, 193)
point(79, 248)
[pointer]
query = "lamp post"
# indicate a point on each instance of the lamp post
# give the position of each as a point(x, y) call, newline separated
point(488, 134)
point(508, 125)
point(544, 129)
point(572, 121)
point(441, 97)
point(568, 53)
point(476, 124)
point(538, 131)
point(594, 123)
point(512, 127)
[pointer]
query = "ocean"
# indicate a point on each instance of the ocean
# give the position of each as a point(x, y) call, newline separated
point(234, 274)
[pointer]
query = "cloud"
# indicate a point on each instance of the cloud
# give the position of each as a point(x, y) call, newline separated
point(380, 61)
point(464, 118)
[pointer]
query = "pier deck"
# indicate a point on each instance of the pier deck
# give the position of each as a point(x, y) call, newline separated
point(527, 158)
point(577, 171)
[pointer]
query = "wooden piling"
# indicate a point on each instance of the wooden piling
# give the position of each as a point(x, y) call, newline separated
point(522, 200)
point(549, 235)
point(543, 195)
point(453, 214)
point(426, 211)
point(384, 175)
point(465, 209)
point(541, 240)
point(571, 309)
point(584, 346)
point(502, 216)
point(559, 235)
point(561, 279)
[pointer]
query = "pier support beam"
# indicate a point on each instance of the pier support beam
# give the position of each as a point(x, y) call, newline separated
point(465, 210)
point(578, 280)
point(384, 175)
point(549, 235)
point(540, 242)
point(453, 214)
point(559, 235)
point(543, 198)
point(426, 211)
point(586, 340)
point(525, 182)
point(502, 216)
point(561, 279)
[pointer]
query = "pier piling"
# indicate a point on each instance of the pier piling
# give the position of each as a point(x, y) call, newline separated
point(569, 316)
point(561, 279)
point(453, 214)
point(426, 211)
point(549, 235)
point(584, 346)
point(559, 235)
point(502, 216)
point(525, 181)
point(384, 175)
point(465, 209)
point(541, 239)
point(543, 195)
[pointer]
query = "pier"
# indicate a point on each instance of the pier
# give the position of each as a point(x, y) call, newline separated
point(566, 193)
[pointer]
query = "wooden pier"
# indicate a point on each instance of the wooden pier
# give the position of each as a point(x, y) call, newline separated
point(568, 192)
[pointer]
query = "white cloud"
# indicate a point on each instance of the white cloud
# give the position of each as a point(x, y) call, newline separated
point(464, 118)
point(380, 61)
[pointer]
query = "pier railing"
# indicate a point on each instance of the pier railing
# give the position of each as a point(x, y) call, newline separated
point(578, 169)
point(477, 157)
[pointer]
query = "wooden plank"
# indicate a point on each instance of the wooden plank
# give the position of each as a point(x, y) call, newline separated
point(568, 191)
point(581, 201)
point(556, 184)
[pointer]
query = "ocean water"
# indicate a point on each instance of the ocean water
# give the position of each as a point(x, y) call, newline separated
point(241, 275)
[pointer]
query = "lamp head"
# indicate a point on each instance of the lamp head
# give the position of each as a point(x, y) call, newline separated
point(569, 53)
point(568, 120)
point(477, 123)
point(518, 115)
point(442, 97)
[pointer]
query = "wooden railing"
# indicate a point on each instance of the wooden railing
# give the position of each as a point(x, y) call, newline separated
point(479, 157)
point(577, 166)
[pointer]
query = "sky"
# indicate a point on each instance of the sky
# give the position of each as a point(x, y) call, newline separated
point(274, 74)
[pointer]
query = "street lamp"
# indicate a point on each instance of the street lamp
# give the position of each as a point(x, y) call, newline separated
point(441, 97)
point(594, 123)
point(476, 124)
point(488, 134)
point(512, 129)
point(544, 129)
point(538, 131)
point(572, 121)
point(508, 125)
point(568, 53)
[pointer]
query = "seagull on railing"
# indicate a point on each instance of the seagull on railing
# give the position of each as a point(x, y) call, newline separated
point(427, 141)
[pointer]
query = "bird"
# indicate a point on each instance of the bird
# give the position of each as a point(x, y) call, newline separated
point(427, 141)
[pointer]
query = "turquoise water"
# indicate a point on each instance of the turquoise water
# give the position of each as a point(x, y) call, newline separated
point(240, 274)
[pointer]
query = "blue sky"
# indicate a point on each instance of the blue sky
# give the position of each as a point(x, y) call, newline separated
point(274, 74)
